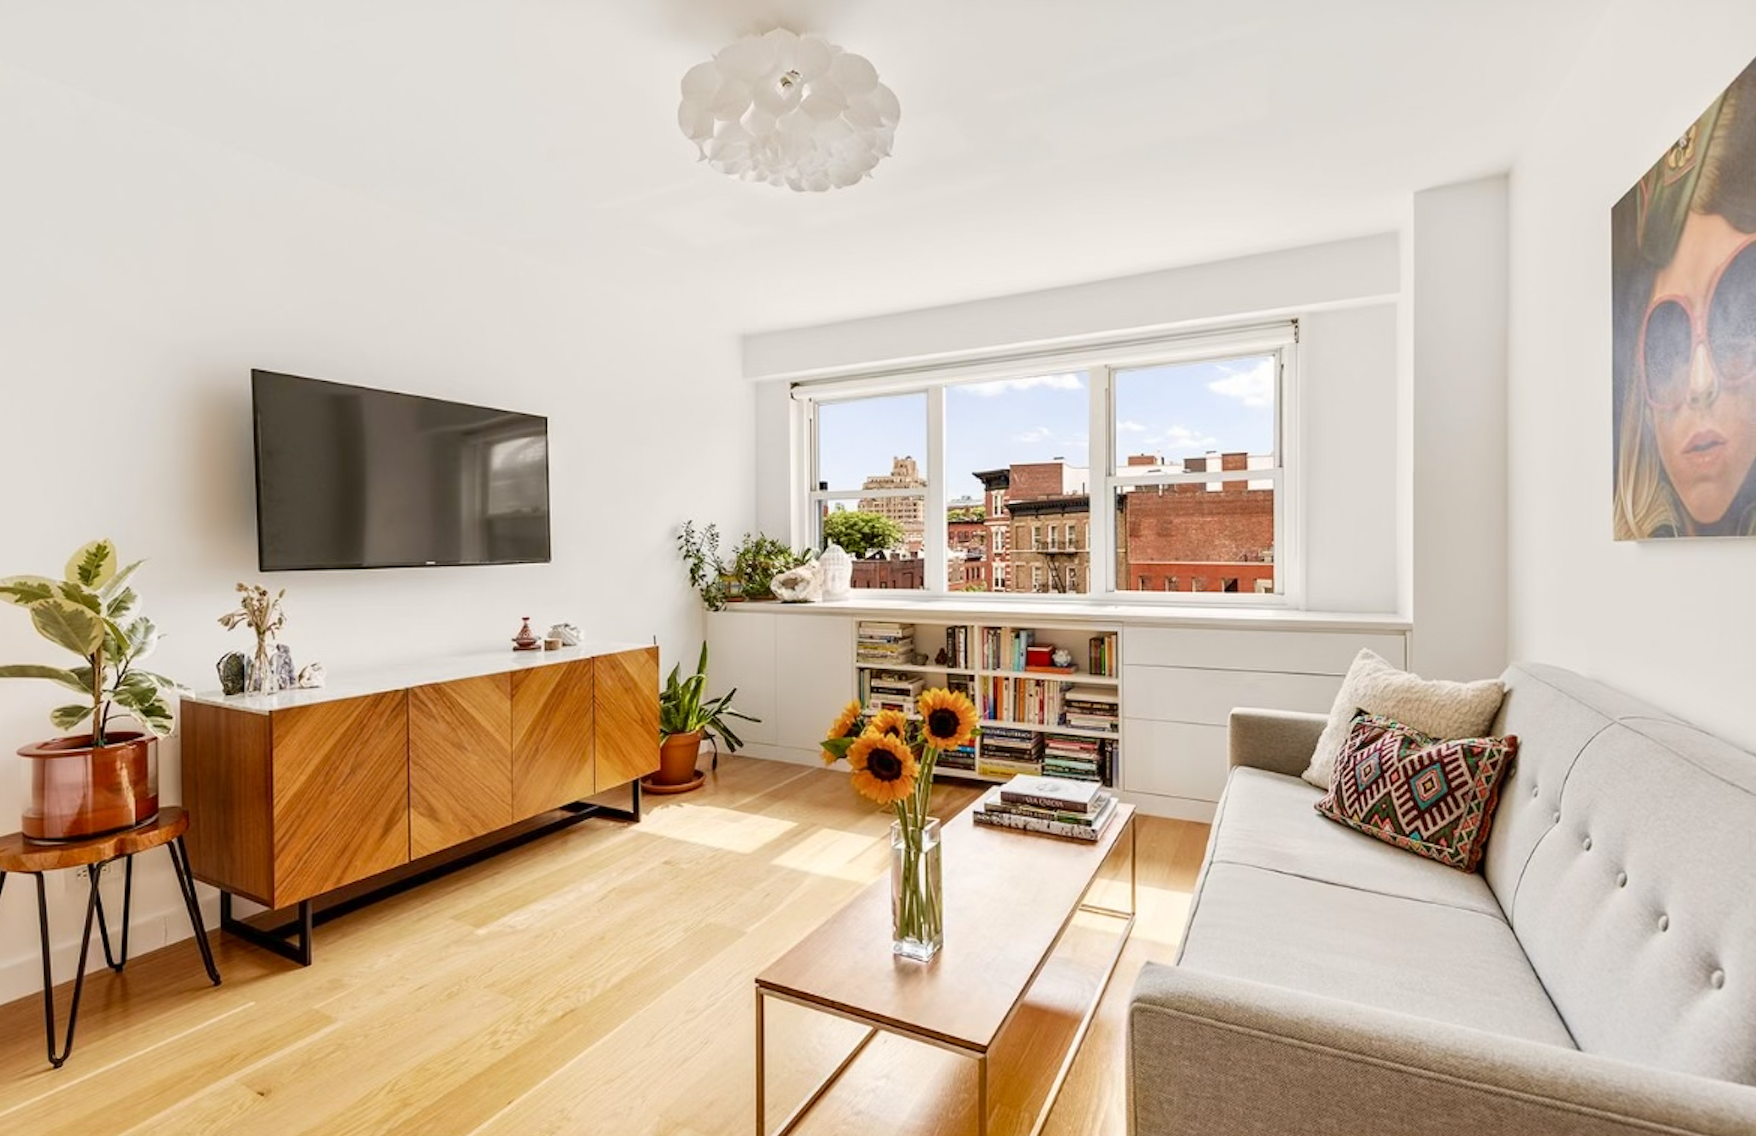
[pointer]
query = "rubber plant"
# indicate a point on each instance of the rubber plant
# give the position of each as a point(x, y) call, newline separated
point(685, 709)
point(94, 613)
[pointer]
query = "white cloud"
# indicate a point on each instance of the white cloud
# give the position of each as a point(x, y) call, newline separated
point(1066, 382)
point(1130, 428)
point(1254, 386)
point(1034, 435)
point(1182, 438)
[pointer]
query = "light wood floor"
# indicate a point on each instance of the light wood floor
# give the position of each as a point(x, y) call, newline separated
point(597, 980)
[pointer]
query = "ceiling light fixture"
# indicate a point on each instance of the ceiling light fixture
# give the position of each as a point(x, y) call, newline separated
point(789, 110)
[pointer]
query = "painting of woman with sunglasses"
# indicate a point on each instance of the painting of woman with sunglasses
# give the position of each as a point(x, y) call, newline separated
point(1684, 288)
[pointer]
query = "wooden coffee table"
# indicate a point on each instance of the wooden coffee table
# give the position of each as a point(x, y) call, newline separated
point(1009, 897)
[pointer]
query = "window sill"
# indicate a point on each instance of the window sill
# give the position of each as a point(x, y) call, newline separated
point(956, 608)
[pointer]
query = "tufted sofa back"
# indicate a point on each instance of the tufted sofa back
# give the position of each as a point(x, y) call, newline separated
point(1624, 855)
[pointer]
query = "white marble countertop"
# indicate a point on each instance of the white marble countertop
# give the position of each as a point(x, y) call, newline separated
point(414, 672)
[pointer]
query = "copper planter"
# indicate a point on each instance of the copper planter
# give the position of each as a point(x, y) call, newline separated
point(79, 790)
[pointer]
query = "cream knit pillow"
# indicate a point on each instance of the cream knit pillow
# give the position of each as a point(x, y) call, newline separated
point(1438, 707)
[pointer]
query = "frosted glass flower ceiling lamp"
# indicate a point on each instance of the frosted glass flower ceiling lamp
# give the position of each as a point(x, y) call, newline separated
point(789, 110)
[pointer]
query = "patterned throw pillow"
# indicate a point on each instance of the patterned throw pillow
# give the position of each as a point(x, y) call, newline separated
point(1434, 798)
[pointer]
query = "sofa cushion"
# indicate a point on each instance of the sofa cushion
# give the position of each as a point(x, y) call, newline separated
point(1265, 820)
point(1428, 960)
point(1420, 794)
point(1638, 906)
point(1438, 707)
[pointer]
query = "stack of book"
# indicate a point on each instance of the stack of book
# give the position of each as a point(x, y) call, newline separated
point(1078, 810)
point(1091, 707)
point(1103, 654)
point(1006, 753)
point(889, 690)
point(885, 643)
point(959, 760)
point(1078, 759)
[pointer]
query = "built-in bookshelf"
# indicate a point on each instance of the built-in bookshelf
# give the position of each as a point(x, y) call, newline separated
point(1048, 695)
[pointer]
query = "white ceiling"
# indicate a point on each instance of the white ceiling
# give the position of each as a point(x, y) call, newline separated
point(1042, 142)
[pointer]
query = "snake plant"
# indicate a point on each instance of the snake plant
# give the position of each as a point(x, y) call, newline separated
point(683, 709)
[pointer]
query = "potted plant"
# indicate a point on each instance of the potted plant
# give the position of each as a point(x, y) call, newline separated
point(107, 779)
point(758, 560)
point(686, 715)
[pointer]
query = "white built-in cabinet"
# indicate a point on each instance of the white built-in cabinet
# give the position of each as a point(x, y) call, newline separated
point(1179, 685)
point(794, 667)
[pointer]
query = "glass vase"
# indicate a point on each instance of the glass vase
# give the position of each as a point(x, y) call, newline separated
point(917, 902)
point(261, 677)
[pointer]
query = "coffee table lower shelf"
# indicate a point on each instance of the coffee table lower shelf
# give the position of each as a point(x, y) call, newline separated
point(877, 1023)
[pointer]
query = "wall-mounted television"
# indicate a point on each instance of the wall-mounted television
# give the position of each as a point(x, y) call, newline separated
point(351, 477)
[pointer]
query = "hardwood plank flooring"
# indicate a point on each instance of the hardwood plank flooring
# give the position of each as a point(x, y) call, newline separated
point(599, 979)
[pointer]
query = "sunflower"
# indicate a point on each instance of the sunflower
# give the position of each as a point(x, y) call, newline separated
point(884, 768)
point(890, 723)
point(948, 718)
point(847, 725)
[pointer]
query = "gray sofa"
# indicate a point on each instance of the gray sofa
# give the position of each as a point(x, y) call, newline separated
point(1597, 976)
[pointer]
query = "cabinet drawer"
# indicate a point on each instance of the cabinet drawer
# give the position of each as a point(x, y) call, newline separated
point(1292, 652)
point(1174, 759)
point(1186, 694)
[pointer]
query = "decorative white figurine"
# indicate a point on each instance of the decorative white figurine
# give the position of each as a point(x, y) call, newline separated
point(567, 633)
point(838, 572)
point(1062, 657)
point(312, 676)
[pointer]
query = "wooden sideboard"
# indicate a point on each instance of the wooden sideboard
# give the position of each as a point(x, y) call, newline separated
point(300, 793)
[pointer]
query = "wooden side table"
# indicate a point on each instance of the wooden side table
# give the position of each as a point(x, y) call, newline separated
point(20, 855)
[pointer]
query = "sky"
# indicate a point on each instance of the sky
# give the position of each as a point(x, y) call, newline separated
point(1173, 411)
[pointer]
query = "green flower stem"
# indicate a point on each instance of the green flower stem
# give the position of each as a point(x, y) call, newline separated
point(919, 911)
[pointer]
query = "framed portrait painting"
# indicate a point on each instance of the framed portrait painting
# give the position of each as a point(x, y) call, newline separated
point(1683, 285)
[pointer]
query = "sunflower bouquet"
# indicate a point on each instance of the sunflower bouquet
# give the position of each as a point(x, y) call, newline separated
point(892, 755)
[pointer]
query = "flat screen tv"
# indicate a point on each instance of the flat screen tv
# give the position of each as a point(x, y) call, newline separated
point(350, 477)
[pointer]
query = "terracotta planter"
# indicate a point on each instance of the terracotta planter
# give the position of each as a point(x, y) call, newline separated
point(677, 755)
point(78, 790)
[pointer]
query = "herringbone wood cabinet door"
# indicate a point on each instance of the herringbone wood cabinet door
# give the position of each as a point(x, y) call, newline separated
point(627, 716)
point(459, 761)
point(341, 805)
point(552, 762)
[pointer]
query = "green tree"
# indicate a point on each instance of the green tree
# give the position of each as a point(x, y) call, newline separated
point(862, 534)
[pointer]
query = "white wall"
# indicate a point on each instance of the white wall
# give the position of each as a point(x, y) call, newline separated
point(146, 271)
point(1457, 250)
point(1344, 294)
point(1671, 621)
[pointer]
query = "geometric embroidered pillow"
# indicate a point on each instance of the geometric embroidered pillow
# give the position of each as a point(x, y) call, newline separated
point(1433, 798)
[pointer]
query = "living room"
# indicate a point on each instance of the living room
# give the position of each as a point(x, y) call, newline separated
point(1406, 209)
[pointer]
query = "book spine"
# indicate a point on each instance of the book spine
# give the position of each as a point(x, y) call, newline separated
point(1046, 827)
point(1031, 800)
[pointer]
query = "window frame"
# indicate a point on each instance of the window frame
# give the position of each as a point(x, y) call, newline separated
point(1100, 362)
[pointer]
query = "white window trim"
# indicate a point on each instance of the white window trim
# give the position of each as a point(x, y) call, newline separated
point(1099, 360)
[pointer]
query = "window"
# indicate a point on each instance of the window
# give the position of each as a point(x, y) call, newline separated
point(1196, 489)
point(1135, 469)
point(869, 458)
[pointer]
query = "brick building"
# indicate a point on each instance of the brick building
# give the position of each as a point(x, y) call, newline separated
point(966, 554)
point(909, 512)
point(901, 572)
point(1196, 538)
point(995, 483)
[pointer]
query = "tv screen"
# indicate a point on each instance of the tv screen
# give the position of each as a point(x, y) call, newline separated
point(349, 477)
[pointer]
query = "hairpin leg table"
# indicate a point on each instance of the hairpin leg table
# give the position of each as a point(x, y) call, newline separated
point(30, 857)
